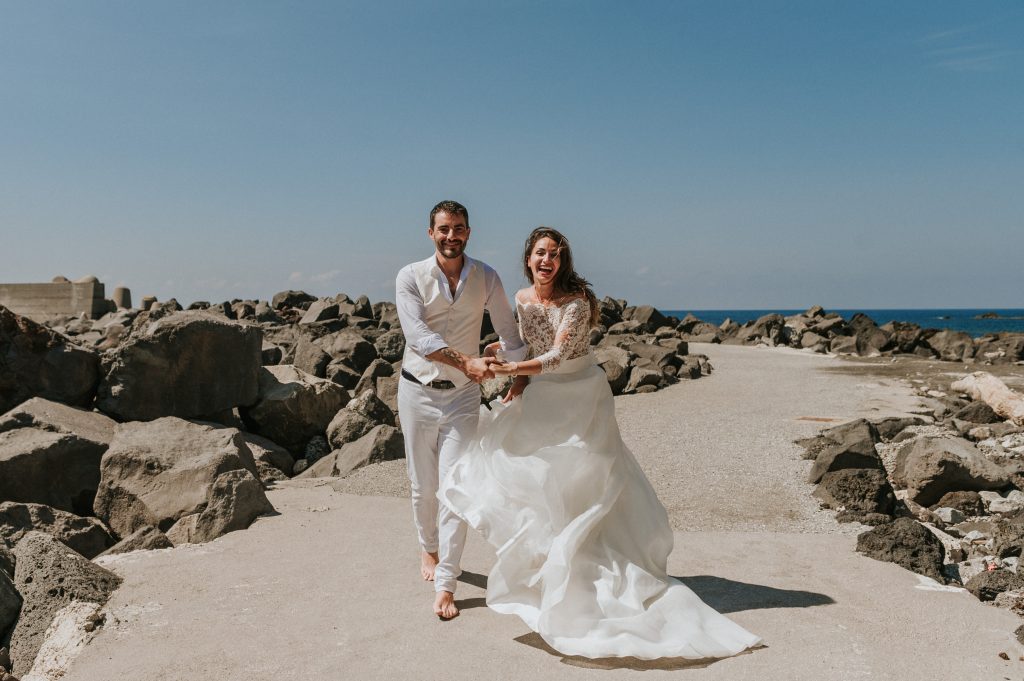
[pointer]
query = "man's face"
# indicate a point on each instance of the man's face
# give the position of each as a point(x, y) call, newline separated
point(450, 234)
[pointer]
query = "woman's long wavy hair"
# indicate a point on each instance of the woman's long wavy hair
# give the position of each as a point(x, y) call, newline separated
point(567, 281)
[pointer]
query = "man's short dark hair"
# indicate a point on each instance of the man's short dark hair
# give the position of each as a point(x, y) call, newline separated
point(452, 207)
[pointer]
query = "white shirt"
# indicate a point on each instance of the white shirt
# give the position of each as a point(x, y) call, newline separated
point(433, 319)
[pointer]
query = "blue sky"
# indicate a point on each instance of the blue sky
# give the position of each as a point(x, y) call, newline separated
point(697, 154)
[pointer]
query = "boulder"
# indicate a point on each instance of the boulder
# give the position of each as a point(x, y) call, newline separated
point(1000, 348)
point(269, 456)
point(87, 536)
point(932, 466)
point(299, 299)
point(158, 471)
point(851, 453)
point(386, 315)
point(871, 340)
point(6, 562)
point(988, 584)
point(350, 348)
point(234, 501)
point(55, 417)
point(342, 374)
point(293, 406)
point(658, 355)
point(908, 544)
point(390, 346)
point(371, 406)
point(649, 318)
point(617, 375)
point(145, 538)
point(348, 425)
point(10, 604)
point(628, 326)
point(975, 412)
point(858, 436)
point(311, 358)
point(38, 362)
point(320, 311)
point(857, 489)
point(891, 426)
point(967, 503)
point(368, 381)
point(49, 576)
point(843, 345)
point(186, 364)
point(56, 469)
point(952, 346)
point(904, 336)
point(382, 443)
point(641, 376)
point(813, 341)
point(767, 328)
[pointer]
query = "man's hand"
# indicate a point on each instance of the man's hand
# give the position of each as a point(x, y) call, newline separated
point(492, 349)
point(478, 368)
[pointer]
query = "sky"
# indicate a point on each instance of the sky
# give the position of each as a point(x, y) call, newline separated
point(698, 155)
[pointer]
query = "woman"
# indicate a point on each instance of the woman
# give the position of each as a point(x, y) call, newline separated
point(582, 541)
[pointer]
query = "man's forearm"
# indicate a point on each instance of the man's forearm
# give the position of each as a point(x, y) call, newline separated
point(451, 357)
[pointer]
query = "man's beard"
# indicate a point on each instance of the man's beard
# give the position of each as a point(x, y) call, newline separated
point(451, 250)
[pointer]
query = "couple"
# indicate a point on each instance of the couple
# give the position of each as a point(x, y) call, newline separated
point(582, 541)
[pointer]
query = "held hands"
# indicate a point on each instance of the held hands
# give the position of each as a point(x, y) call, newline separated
point(479, 368)
point(491, 350)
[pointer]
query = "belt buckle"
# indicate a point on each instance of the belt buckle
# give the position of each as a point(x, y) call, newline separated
point(442, 385)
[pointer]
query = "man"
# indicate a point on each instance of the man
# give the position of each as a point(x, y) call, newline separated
point(441, 302)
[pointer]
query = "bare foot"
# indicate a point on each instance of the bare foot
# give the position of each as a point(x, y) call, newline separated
point(444, 605)
point(428, 563)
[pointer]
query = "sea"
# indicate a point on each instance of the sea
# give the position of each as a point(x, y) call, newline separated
point(967, 320)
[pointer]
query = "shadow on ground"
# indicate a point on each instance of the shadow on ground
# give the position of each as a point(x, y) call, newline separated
point(726, 595)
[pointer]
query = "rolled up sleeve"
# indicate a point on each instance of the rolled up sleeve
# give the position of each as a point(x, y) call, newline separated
point(412, 315)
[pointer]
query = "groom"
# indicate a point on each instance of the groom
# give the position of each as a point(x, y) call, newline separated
point(441, 303)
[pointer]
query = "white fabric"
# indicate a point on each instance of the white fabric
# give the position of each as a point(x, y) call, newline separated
point(433, 319)
point(582, 540)
point(437, 425)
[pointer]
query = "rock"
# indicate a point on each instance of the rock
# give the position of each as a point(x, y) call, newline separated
point(378, 368)
point(658, 355)
point(159, 471)
point(38, 362)
point(311, 358)
point(968, 503)
point(989, 584)
point(382, 443)
point(373, 408)
point(55, 469)
point(342, 374)
point(49, 576)
point(849, 445)
point(320, 311)
point(183, 531)
point(350, 348)
point(234, 501)
point(143, 539)
point(10, 604)
point(952, 346)
point(997, 503)
point(269, 454)
point(316, 449)
point(293, 406)
point(888, 428)
point(950, 516)
point(904, 336)
point(626, 327)
point(843, 345)
point(271, 354)
point(975, 412)
point(6, 564)
point(649, 318)
point(55, 417)
point(71, 629)
point(87, 536)
point(386, 314)
point(186, 364)
point(284, 299)
point(858, 490)
point(932, 466)
point(640, 376)
point(871, 340)
point(906, 543)
point(348, 425)
point(814, 341)
point(390, 346)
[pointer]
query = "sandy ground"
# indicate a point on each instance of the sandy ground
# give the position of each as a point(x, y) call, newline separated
point(328, 588)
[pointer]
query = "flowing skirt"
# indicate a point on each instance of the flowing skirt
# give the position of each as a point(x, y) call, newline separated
point(582, 540)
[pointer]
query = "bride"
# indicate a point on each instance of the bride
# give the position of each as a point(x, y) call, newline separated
point(582, 540)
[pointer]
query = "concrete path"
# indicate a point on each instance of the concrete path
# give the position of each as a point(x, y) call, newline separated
point(329, 589)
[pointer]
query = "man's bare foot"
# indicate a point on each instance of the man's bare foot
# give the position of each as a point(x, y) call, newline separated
point(444, 605)
point(428, 563)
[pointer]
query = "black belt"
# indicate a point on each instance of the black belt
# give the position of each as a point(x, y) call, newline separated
point(438, 385)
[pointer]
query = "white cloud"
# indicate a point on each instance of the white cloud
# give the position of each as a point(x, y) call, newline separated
point(295, 277)
point(330, 275)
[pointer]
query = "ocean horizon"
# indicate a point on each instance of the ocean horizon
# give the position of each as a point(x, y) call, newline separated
point(954, 319)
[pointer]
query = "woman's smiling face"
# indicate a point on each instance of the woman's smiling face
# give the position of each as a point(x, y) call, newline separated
point(544, 261)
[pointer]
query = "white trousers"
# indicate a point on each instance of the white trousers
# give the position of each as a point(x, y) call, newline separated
point(436, 425)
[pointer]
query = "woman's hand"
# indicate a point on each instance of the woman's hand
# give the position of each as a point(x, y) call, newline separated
point(504, 368)
point(518, 386)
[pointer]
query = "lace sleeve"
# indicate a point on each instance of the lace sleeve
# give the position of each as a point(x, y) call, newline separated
point(574, 325)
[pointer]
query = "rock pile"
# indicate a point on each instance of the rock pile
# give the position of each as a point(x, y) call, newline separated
point(828, 332)
point(944, 492)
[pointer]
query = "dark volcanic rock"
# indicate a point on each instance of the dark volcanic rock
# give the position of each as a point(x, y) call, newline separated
point(906, 543)
point(978, 412)
point(649, 318)
point(311, 358)
point(87, 536)
point(158, 471)
point(55, 469)
point(35, 361)
point(859, 436)
point(890, 427)
point(10, 604)
point(953, 346)
point(968, 503)
point(293, 406)
point(987, 585)
point(49, 576)
point(186, 364)
point(859, 490)
point(299, 299)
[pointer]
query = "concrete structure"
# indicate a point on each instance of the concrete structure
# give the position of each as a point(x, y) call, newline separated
point(41, 301)
point(122, 297)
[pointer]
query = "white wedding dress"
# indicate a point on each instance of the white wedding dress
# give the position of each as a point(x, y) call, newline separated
point(582, 540)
